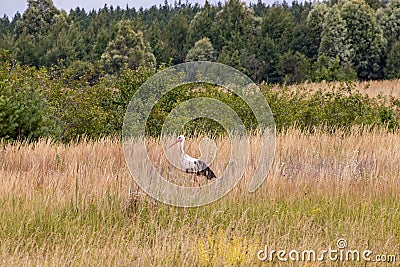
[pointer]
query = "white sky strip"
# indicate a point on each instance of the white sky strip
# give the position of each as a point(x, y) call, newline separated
point(11, 7)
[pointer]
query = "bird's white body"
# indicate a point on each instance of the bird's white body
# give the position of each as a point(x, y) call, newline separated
point(187, 162)
point(190, 164)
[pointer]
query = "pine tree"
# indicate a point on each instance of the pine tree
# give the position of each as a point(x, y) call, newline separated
point(230, 58)
point(233, 27)
point(155, 36)
point(259, 8)
point(269, 58)
point(278, 24)
point(200, 26)
point(60, 47)
point(34, 30)
point(38, 17)
point(393, 64)
point(175, 37)
point(293, 67)
point(26, 51)
point(127, 49)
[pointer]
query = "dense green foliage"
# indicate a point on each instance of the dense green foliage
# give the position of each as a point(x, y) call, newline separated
point(23, 106)
point(257, 39)
point(202, 51)
point(128, 49)
point(340, 107)
point(36, 103)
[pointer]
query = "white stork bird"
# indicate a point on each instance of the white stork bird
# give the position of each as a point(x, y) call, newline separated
point(192, 165)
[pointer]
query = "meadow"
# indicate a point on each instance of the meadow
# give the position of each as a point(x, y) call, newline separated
point(76, 204)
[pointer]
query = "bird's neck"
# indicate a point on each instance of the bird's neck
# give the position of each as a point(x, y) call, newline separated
point(181, 144)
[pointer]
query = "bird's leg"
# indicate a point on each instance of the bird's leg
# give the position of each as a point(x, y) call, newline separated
point(195, 179)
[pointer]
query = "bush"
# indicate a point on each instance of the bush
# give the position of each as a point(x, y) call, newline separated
point(93, 110)
point(341, 107)
point(24, 113)
point(201, 125)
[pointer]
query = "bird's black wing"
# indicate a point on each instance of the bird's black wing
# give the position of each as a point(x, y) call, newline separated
point(203, 169)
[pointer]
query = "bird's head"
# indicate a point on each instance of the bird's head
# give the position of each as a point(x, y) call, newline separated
point(179, 139)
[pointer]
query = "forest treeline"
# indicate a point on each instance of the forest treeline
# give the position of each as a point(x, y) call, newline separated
point(279, 43)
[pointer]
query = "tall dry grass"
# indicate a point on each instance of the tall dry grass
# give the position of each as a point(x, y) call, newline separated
point(371, 88)
point(76, 204)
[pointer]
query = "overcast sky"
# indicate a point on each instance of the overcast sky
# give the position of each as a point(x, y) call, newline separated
point(10, 7)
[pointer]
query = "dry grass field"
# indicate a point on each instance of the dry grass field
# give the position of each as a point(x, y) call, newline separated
point(371, 88)
point(76, 204)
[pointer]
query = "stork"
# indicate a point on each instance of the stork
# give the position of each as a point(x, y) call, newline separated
point(192, 165)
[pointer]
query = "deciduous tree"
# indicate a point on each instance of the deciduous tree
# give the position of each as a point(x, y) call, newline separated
point(366, 39)
point(334, 43)
point(388, 18)
point(203, 50)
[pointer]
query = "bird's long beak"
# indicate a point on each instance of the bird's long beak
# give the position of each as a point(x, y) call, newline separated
point(176, 141)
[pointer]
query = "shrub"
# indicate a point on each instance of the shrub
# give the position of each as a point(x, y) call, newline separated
point(24, 113)
point(341, 107)
point(200, 125)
